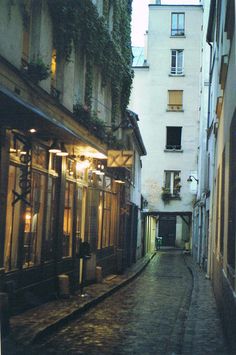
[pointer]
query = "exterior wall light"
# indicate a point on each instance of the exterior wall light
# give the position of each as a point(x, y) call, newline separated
point(63, 152)
point(191, 177)
point(82, 164)
point(120, 182)
point(55, 147)
point(32, 130)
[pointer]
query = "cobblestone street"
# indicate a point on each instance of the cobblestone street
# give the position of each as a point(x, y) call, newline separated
point(155, 314)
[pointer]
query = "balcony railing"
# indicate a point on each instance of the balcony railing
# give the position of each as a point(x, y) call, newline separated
point(177, 70)
point(173, 147)
point(177, 32)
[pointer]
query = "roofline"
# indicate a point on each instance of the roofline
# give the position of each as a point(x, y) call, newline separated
point(134, 118)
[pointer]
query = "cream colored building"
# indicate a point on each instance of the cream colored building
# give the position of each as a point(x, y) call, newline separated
point(166, 94)
point(221, 132)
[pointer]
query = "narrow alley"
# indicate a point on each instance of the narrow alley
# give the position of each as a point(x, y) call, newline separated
point(160, 312)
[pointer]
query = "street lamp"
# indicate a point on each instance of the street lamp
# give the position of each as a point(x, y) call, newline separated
point(191, 177)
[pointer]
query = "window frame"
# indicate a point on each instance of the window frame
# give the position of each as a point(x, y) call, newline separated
point(176, 107)
point(173, 185)
point(177, 32)
point(174, 70)
point(174, 147)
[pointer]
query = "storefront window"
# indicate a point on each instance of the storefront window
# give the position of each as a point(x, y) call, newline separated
point(80, 215)
point(106, 220)
point(39, 156)
point(93, 217)
point(34, 221)
point(50, 219)
point(68, 220)
point(114, 218)
point(12, 220)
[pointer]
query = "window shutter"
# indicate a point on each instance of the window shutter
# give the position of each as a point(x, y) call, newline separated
point(175, 97)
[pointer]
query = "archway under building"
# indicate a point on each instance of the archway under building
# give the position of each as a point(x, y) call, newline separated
point(175, 228)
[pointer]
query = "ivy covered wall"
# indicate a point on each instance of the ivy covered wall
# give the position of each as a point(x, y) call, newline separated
point(77, 23)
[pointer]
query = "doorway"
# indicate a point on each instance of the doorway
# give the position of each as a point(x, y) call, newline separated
point(167, 230)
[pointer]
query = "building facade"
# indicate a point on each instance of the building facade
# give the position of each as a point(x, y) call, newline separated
point(63, 111)
point(201, 210)
point(221, 162)
point(168, 82)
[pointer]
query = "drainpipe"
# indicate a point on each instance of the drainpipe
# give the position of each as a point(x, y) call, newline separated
point(209, 255)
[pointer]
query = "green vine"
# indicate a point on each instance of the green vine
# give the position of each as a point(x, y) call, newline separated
point(94, 124)
point(81, 26)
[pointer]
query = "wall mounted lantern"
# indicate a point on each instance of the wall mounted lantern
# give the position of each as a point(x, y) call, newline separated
point(55, 147)
point(63, 152)
point(191, 177)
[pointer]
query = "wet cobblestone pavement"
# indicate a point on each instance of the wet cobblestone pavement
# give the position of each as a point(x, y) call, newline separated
point(157, 313)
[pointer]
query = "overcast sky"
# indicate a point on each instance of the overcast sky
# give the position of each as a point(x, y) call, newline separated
point(140, 17)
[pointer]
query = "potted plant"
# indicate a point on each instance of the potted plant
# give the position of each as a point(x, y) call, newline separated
point(177, 179)
point(166, 194)
point(38, 70)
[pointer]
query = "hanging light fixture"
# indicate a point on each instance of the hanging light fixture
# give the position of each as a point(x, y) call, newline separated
point(63, 152)
point(55, 147)
point(99, 169)
point(82, 163)
point(119, 181)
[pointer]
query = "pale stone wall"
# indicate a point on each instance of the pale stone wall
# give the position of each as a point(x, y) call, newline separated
point(150, 97)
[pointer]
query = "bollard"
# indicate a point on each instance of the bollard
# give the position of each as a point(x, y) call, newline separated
point(98, 274)
point(4, 314)
point(64, 289)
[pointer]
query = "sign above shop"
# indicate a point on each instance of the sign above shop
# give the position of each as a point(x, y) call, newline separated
point(120, 158)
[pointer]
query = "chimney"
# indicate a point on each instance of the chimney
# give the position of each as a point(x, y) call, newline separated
point(158, 2)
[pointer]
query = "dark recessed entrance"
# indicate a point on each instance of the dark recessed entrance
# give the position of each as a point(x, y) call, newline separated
point(167, 230)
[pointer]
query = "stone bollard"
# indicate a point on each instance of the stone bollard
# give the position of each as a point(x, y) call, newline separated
point(4, 313)
point(64, 286)
point(98, 274)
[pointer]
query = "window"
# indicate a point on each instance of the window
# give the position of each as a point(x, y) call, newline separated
point(177, 24)
point(13, 220)
point(177, 56)
point(80, 214)
point(26, 32)
point(172, 182)
point(50, 218)
point(68, 220)
point(34, 214)
point(29, 225)
point(173, 138)
point(175, 100)
point(54, 68)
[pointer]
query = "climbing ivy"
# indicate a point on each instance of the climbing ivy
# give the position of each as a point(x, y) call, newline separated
point(94, 124)
point(77, 23)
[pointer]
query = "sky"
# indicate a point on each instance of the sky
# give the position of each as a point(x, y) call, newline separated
point(140, 17)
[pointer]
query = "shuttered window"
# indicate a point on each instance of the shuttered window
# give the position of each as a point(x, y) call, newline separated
point(175, 100)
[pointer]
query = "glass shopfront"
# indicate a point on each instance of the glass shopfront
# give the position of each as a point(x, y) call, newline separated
point(74, 207)
point(102, 208)
point(31, 205)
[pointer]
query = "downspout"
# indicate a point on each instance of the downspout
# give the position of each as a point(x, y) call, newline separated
point(209, 256)
point(209, 92)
